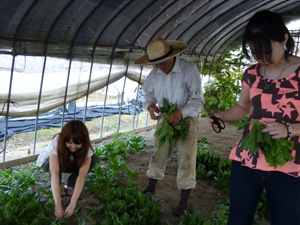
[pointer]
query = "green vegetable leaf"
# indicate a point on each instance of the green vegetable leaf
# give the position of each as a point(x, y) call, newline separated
point(170, 132)
point(277, 151)
point(166, 106)
point(249, 142)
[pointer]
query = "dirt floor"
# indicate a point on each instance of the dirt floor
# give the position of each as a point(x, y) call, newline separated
point(204, 197)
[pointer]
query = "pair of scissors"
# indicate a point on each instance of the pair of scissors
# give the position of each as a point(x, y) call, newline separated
point(216, 120)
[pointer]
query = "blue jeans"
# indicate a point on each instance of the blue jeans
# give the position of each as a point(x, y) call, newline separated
point(246, 186)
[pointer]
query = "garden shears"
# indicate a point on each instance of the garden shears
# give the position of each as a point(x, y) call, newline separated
point(216, 121)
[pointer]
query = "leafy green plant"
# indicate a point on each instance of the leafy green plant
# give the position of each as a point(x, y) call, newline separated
point(222, 91)
point(220, 214)
point(192, 219)
point(210, 166)
point(136, 143)
point(19, 198)
point(112, 181)
point(276, 151)
point(112, 167)
point(168, 131)
point(126, 205)
point(103, 176)
point(262, 211)
point(117, 147)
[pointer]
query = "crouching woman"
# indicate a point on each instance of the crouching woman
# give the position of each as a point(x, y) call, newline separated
point(70, 151)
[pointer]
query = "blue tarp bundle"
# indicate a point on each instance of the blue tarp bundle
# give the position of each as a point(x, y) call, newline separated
point(54, 118)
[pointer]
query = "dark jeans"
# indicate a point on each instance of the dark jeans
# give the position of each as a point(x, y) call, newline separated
point(246, 186)
point(74, 170)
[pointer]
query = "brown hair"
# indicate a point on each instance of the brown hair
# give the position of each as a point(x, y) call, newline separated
point(77, 131)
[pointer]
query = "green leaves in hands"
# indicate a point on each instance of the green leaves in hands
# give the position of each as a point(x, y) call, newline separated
point(241, 125)
point(276, 151)
point(170, 132)
point(166, 107)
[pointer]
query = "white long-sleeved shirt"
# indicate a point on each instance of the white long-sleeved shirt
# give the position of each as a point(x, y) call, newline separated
point(52, 147)
point(181, 85)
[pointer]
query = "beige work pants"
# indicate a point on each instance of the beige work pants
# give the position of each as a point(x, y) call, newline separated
point(186, 158)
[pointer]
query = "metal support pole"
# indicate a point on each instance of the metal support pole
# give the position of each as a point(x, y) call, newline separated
point(111, 62)
point(39, 101)
point(8, 104)
point(67, 85)
point(122, 97)
point(88, 89)
point(136, 99)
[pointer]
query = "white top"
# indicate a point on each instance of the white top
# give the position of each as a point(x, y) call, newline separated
point(181, 85)
point(52, 147)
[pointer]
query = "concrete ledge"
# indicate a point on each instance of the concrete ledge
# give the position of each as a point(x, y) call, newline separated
point(20, 161)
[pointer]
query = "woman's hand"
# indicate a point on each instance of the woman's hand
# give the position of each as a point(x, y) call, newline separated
point(70, 210)
point(276, 130)
point(218, 115)
point(153, 110)
point(59, 211)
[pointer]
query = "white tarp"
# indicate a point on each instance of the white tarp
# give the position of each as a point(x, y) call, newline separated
point(26, 82)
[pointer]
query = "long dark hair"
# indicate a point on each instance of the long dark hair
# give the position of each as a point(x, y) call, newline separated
point(262, 28)
point(77, 131)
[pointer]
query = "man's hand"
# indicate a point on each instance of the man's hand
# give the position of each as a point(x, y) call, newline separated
point(153, 110)
point(175, 117)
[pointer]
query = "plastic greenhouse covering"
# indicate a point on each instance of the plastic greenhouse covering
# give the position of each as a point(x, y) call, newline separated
point(55, 52)
point(27, 78)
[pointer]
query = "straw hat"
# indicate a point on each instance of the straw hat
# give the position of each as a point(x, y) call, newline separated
point(160, 50)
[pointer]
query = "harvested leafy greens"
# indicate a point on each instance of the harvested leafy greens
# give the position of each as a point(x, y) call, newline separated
point(276, 151)
point(170, 132)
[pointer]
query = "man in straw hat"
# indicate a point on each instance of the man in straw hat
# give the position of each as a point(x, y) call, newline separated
point(178, 81)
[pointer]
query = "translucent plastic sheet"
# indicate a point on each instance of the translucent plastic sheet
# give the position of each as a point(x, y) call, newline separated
point(27, 80)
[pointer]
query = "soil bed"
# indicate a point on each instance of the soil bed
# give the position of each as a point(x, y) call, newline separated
point(204, 197)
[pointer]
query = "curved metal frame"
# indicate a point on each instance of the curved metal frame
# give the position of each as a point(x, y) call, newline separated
point(217, 41)
point(11, 78)
point(240, 29)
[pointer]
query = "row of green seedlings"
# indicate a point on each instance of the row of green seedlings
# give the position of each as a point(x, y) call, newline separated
point(114, 184)
point(111, 181)
point(214, 167)
point(124, 203)
point(23, 202)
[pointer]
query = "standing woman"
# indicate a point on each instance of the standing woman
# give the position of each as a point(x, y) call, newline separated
point(69, 152)
point(270, 92)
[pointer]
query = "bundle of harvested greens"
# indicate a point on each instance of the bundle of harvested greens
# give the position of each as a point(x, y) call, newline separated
point(276, 151)
point(170, 132)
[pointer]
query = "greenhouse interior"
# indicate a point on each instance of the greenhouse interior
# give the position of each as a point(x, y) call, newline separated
point(64, 60)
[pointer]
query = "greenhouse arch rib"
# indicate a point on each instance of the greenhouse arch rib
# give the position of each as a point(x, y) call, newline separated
point(165, 23)
point(231, 34)
point(71, 57)
point(62, 27)
point(43, 71)
point(126, 70)
point(111, 62)
point(198, 16)
point(207, 40)
point(10, 83)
